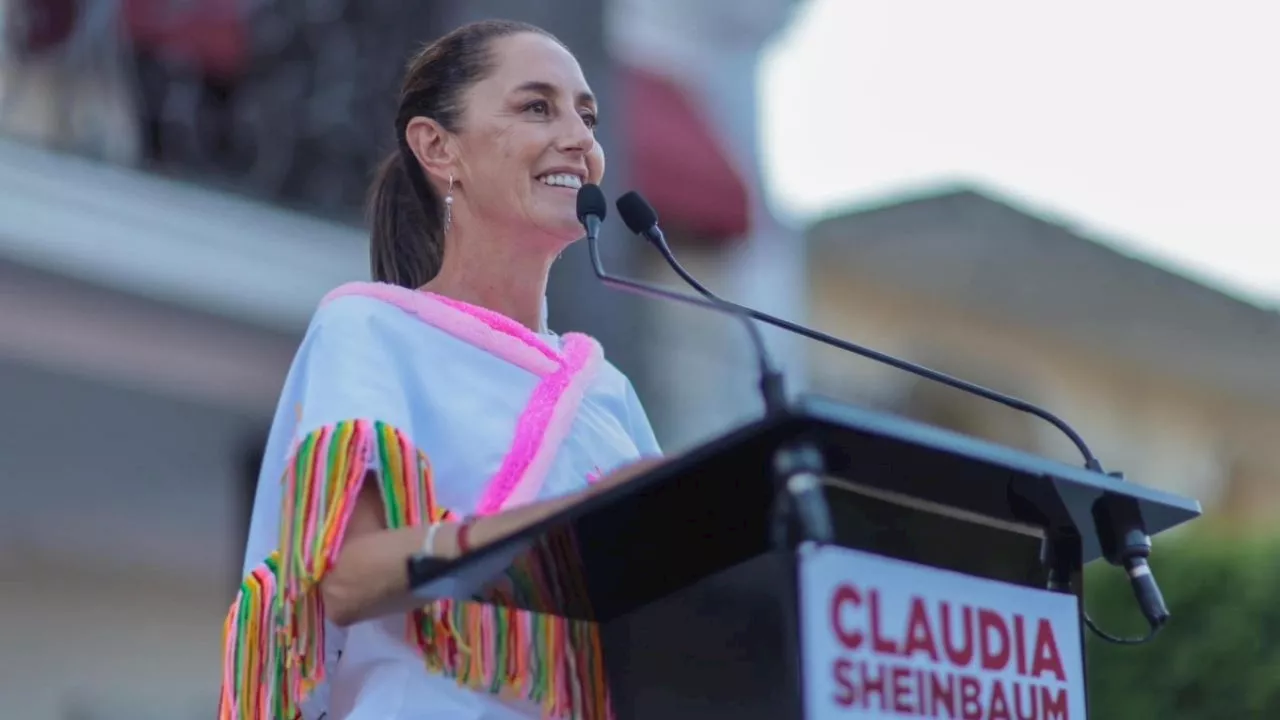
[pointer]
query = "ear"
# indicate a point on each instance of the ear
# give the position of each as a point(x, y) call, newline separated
point(434, 147)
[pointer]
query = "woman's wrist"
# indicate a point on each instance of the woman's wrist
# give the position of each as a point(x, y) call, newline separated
point(440, 540)
point(448, 540)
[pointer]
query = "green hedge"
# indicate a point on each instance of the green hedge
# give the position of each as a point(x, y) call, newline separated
point(1217, 659)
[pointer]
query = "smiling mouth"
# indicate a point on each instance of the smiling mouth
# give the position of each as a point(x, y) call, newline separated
point(567, 181)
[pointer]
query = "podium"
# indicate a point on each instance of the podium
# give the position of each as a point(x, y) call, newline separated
point(951, 586)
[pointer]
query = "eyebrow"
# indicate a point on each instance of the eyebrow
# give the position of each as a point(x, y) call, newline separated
point(546, 88)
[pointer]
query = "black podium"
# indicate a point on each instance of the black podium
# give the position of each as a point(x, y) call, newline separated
point(952, 562)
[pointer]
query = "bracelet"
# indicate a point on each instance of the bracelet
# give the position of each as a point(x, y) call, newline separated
point(464, 530)
point(429, 543)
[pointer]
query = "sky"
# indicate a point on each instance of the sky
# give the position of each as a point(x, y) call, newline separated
point(1151, 126)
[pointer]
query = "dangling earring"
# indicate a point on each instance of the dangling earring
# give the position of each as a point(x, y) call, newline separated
point(448, 205)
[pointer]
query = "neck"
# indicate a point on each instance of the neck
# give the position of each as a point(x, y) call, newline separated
point(500, 273)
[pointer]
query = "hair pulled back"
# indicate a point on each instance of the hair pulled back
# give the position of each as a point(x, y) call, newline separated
point(406, 242)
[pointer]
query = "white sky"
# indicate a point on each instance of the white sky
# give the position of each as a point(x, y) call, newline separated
point(1153, 126)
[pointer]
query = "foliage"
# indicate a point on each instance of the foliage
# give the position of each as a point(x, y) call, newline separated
point(1219, 656)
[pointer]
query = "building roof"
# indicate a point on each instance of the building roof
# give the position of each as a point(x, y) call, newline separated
point(983, 255)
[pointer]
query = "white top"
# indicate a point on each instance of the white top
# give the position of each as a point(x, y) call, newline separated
point(474, 393)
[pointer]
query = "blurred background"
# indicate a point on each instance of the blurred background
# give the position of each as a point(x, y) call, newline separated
point(1074, 203)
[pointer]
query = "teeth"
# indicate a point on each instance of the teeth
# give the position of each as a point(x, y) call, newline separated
point(562, 180)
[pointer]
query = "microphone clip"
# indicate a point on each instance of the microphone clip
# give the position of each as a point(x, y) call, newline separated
point(800, 503)
point(1122, 535)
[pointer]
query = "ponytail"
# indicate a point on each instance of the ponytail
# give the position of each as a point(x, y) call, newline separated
point(406, 242)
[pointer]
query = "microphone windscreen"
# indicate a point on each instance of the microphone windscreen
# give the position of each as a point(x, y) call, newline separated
point(636, 212)
point(591, 202)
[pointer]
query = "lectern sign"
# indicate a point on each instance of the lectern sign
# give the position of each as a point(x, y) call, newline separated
point(884, 638)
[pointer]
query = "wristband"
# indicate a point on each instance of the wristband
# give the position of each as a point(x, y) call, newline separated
point(429, 543)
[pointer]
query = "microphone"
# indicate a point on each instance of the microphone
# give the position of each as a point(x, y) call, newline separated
point(1122, 530)
point(592, 209)
point(797, 469)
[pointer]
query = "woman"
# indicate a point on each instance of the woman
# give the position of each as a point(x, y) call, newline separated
point(434, 395)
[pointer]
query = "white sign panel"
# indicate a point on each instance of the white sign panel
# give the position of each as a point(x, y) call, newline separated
point(884, 638)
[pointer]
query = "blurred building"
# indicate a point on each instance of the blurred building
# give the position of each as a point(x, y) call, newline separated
point(1170, 381)
point(179, 185)
point(145, 326)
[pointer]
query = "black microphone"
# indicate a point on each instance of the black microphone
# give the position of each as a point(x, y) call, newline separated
point(1122, 524)
point(592, 209)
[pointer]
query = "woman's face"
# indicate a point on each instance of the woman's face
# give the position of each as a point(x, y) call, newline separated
point(527, 141)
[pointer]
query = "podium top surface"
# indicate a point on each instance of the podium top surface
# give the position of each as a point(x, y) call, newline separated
point(710, 508)
point(1162, 510)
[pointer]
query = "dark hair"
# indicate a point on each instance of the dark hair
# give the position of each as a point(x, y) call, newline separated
point(406, 242)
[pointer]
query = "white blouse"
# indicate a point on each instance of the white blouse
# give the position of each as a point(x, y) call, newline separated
point(456, 410)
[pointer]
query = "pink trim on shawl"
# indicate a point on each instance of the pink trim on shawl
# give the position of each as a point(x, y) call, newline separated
point(497, 321)
point(547, 419)
point(471, 324)
point(543, 427)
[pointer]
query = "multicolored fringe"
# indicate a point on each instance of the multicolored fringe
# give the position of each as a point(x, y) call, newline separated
point(275, 632)
point(554, 662)
point(251, 663)
point(549, 660)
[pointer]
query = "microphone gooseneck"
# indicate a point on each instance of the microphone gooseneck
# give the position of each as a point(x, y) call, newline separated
point(1121, 529)
point(641, 218)
point(592, 209)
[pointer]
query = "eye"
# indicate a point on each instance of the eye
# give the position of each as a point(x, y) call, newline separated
point(590, 119)
point(538, 107)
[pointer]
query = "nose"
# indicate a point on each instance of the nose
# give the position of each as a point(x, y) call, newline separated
point(575, 137)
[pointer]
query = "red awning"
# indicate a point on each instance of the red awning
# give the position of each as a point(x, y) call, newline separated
point(35, 26)
point(677, 161)
point(210, 35)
